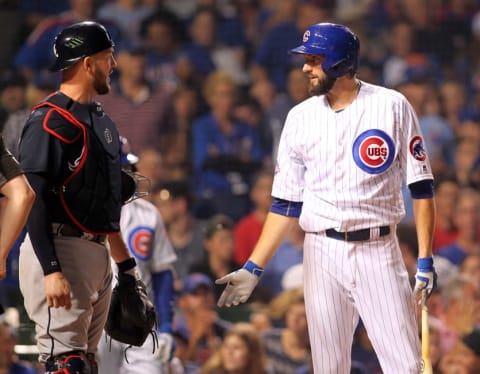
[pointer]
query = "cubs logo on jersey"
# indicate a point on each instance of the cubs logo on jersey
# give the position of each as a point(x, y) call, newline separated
point(416, 148)
point(139, 242)
point(373, 151)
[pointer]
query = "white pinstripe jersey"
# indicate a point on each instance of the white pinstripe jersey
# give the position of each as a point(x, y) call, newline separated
point(145, 235)
point(348, 166)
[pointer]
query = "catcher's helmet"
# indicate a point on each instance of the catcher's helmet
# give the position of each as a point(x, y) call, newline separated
point(78, 41)
point(338, 43)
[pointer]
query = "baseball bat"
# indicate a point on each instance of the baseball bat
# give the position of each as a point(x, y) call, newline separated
point(426, 359)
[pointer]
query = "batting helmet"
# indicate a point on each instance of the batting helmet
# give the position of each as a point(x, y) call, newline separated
point(338, 43)
point(78, 41)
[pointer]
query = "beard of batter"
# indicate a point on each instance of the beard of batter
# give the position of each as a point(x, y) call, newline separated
point(323, 86)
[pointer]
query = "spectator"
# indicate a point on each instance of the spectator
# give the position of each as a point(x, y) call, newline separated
point(174, 202)
point(36, 54)
point(461, 304)
point(271, 59)
point(161, 36)
point(197, 318)
point(467, 220)
point(127, 15)
point(287, 346)
point(9, 361)
point(13, 108)
point(151, 165)
point(247, 230)
point(470, 268)
point(446, 195)
point(225, 151)
point(176, 141)
point(241, 352)
point(467, 153)
point(138, 107)
point(297, 91)
point(464, 357)
point(401, 46)
point(219, 244)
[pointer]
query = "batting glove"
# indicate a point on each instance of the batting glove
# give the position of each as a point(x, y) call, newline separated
point(426, 277)
point(240, 284)
point(166, 344)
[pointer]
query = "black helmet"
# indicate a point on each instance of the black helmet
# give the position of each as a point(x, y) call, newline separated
point(78, 41)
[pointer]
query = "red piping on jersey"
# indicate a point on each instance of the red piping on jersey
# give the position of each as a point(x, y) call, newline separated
point(67, 115)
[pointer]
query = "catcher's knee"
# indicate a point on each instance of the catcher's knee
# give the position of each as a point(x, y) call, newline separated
point(75, 362)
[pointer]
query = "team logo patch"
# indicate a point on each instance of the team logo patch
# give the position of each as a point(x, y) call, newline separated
point(373, 151)
point(416, 148)
point(306, 35)
point(139, 242)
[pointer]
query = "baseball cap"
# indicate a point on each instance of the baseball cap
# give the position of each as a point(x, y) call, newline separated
point(216, 223)
point(12, 78)
point(194, 281)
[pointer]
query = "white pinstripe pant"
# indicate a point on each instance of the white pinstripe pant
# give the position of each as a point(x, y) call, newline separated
point(348, 280)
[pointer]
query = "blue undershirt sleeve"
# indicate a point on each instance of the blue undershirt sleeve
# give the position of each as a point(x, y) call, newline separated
point(286, 208)
point(164, 299)
point(422, 190)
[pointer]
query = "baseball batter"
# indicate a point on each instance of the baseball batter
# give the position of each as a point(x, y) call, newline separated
point(144, 232)
point(342, 157)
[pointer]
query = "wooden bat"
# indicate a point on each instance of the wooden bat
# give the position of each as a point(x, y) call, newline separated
point(426, 359)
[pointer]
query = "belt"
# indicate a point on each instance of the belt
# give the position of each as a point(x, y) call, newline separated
point(65, 229)
point(359, 235)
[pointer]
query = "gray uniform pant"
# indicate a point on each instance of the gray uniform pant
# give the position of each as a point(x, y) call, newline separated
point(86, 266)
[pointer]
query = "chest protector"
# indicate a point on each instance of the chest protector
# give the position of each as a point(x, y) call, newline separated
point(91, 191)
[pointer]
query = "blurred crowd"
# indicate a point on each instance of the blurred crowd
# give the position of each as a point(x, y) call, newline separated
point(201, 93)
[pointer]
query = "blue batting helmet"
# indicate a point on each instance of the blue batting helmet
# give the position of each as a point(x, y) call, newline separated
point(338, 43)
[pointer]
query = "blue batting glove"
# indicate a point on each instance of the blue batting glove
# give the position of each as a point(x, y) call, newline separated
point(426, 277)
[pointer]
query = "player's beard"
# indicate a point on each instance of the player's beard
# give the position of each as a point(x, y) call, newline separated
point(100, 83)
point(323, 86)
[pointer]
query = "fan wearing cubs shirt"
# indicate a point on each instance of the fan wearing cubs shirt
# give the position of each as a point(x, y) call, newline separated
point(145, 235)
point(343, 156)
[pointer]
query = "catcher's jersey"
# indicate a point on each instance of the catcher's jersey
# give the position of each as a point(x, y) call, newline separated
point(144, 233)
point(348, 166)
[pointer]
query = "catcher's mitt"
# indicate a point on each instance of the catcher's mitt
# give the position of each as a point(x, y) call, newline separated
point(131, 317)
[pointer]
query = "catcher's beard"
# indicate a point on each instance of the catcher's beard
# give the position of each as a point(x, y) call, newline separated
point(100, 83)
point(323, 86)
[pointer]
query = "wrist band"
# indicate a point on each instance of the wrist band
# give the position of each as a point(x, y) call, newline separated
point(126, 265)
point(425, 263)
point(253, 268)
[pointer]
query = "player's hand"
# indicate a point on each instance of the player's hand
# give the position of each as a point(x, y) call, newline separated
point(425, 277)
point(57, 291)
point(240, 284)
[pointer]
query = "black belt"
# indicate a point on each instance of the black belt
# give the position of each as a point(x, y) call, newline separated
point(65, 229)
point(357, 236)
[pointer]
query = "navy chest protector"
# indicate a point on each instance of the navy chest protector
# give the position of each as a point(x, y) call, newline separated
point(91, 191)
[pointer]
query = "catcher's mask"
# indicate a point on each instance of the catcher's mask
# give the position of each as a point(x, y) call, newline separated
point(134, 185)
